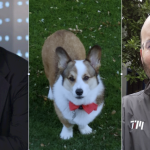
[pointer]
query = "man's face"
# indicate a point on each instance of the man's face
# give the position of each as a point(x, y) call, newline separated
point(145, 51)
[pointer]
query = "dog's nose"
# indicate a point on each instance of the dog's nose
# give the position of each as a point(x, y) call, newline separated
point(79, 91)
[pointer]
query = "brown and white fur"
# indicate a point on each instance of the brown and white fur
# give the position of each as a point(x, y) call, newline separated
point(72, 77)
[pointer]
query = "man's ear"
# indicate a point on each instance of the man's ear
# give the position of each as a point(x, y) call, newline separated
point(94, 57)
point(141, 55)
point(63, 58)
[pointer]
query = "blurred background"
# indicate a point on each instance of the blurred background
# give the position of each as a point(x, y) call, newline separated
point(14, 26)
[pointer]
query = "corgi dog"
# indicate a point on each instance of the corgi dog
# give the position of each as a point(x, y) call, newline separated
point(75, 84)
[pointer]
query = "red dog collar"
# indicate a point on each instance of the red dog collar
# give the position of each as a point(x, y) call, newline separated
point(87, 108)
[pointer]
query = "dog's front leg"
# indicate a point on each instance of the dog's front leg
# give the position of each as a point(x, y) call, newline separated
point(85, 129)
point(50, 94)
point(66, 133)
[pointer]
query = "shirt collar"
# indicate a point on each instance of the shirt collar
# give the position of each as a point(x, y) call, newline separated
point(147, 89)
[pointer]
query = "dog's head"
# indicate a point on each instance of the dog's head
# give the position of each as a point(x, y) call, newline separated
point(79, 76)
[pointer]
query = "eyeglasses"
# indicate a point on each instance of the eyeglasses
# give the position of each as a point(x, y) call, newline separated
point(147, 45)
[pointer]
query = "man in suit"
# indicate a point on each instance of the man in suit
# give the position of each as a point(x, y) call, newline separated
point(136, 107)
point(13, 101)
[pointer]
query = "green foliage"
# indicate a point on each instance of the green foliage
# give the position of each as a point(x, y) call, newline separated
point(134, 14)
point(99, 21)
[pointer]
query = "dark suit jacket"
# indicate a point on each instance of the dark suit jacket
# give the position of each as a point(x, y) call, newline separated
point(13, 102)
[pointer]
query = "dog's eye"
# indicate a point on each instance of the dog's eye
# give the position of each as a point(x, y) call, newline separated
point(71, 79)
point(85, 78)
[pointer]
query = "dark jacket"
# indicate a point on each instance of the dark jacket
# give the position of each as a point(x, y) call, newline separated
point(136, 120)
point(13, 102)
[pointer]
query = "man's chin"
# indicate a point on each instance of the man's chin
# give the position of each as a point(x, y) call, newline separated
point(146, 69)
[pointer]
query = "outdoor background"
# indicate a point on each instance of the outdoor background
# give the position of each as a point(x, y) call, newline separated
point(99, 22)
point(14, 16)
point(134, 14)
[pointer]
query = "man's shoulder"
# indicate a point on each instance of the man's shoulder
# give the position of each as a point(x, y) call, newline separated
point(132, 98)
point(14, 62)
point(137, 94)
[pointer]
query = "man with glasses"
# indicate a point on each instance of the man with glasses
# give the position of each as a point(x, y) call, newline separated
point(136, 107)
point(13, 102)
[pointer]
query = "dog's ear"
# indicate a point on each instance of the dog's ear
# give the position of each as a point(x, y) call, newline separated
point(94, 57)
point(63, 58)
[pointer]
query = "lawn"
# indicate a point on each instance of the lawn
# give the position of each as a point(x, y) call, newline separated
point(99, 23)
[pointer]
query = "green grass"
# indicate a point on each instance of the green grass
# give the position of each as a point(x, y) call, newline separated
point(44, 124)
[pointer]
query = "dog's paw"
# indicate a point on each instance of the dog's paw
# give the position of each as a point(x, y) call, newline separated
point(85, 129)
point(66, 133)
